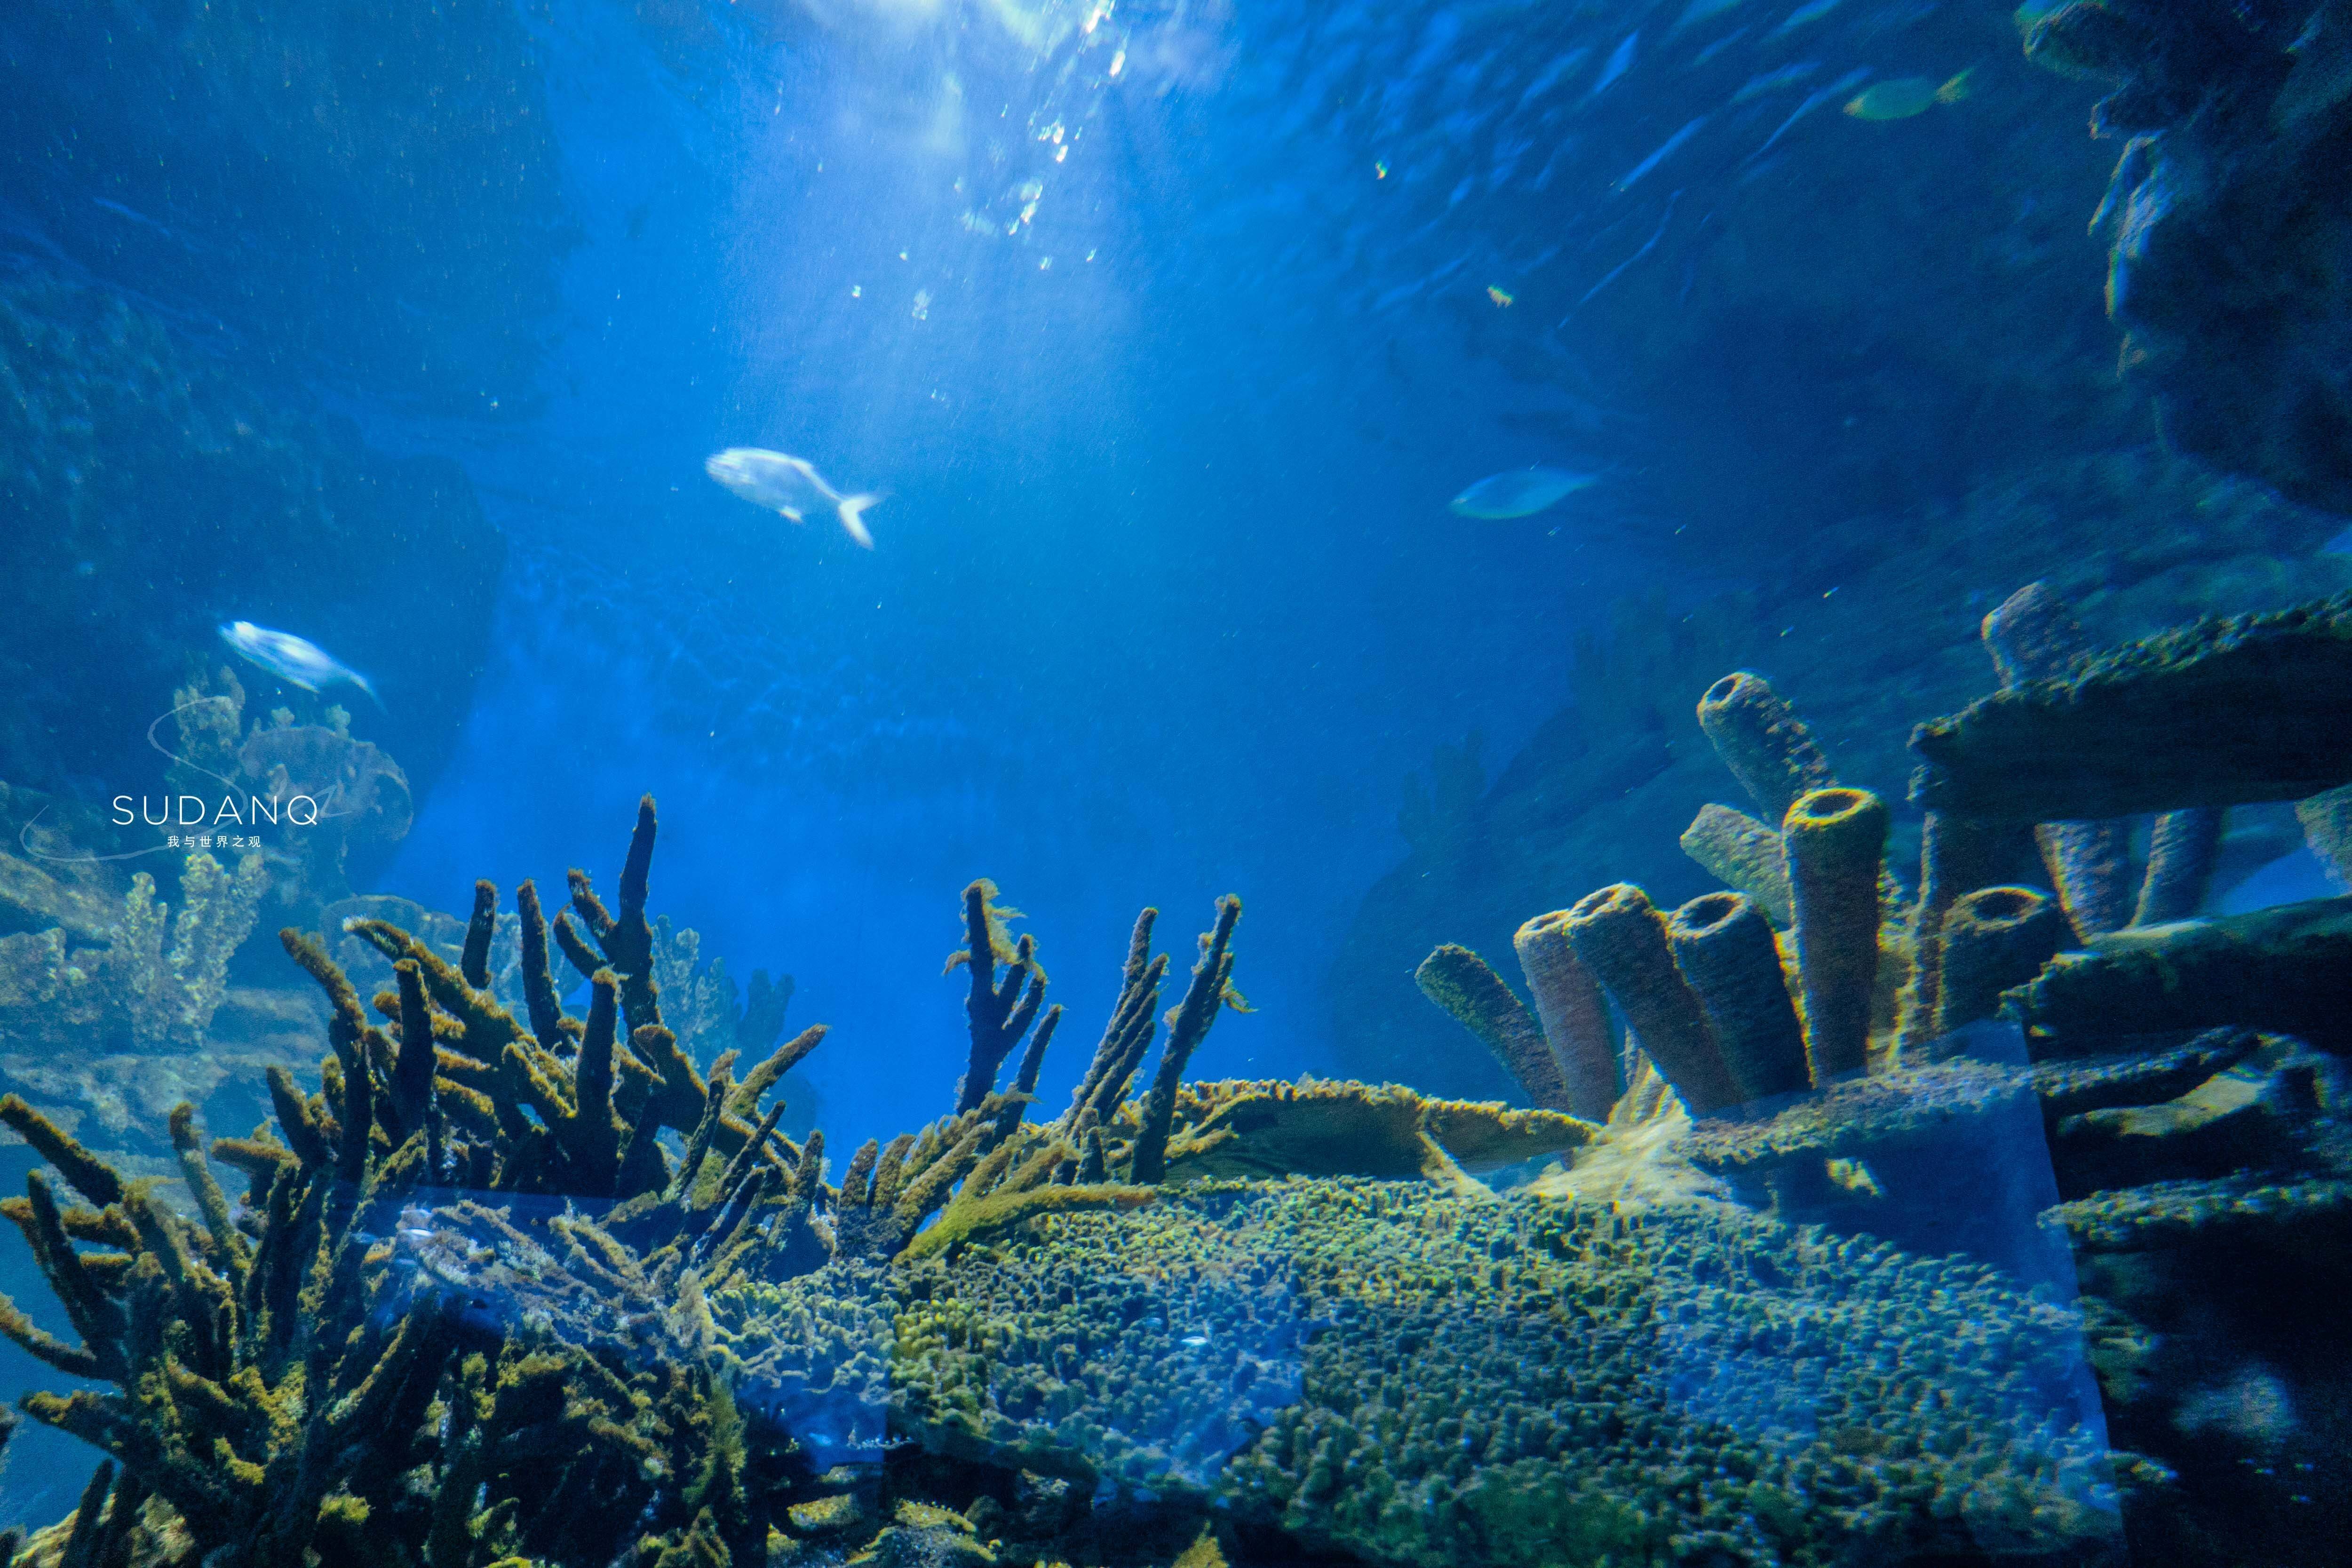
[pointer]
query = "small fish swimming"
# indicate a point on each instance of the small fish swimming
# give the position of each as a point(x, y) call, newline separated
point(292, 660)
point(1905, 96)
point(1519, 492)
point(1504, 299)
point(1193, 1341)
point(788, 485)
point(1661, 155)
point(1773, 81)
point(1619, 61)
point(1813, 12)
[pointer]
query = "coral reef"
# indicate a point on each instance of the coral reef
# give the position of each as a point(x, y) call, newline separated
point(1624, 941)
point(2231, 190)
point(311, 794)
point(529, 1288)
point(1991, 940)
point(2033, 635)
point(2134, 539)
point(170, 989)
point(1741, 852)
point(2162, 1112)
point(1760, 739)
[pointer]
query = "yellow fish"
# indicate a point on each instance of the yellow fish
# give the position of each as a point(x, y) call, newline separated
point(1501, 299)
point(1905, 96)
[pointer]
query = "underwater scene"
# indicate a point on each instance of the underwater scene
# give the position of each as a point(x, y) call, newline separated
point(1175, 783)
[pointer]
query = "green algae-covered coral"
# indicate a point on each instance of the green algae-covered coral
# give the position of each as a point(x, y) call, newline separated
point(1403, 1376)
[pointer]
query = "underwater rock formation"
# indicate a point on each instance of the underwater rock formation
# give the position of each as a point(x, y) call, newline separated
point(515, 1284)
point(2252, 708)
point(2288, 968)
point(2232, 189)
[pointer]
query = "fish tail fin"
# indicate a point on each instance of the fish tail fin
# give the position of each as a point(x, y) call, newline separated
point(364, 684)
point(852, 510)
point(1954, 89)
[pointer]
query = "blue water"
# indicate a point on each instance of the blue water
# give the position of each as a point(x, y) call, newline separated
point(1167, 330)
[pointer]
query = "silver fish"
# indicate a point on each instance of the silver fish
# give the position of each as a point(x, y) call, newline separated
point(788, 485)
point(294, 660)
point(1519, 492)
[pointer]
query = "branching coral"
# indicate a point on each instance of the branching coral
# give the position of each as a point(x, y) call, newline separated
point(534, 1369)
point(171, 988)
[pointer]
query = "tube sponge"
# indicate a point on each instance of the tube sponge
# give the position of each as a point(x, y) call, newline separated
point(1762, 741)
point(1575, 1019)
point(1836, 842)
point(1993, 939)
point(1621, 938)
point(2181, 852)
point(1724, 947)
point(1957, 855)
point(2090, 864)
point(1740, 852)
point(1459, 981)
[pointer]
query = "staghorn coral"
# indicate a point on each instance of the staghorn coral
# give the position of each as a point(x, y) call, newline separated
point(171, 988)
point(505, 1369)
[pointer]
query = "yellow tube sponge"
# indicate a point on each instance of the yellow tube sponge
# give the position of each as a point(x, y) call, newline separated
point(1993, 939)
point(1621, 938)
point(1760, 739)
point(1574, 1017)
point(1837, 842)
point(1724, 946)
point(1741, 852)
